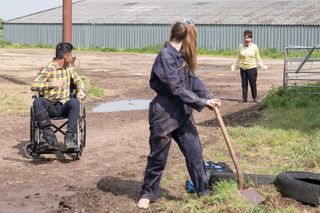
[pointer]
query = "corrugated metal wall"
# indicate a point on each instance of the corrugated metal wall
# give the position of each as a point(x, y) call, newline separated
point(213, 37)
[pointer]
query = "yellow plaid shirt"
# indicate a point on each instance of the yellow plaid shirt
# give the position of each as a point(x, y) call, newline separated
point(43, 84)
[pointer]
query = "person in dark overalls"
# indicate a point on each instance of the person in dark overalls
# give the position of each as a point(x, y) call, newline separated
point(179, 91)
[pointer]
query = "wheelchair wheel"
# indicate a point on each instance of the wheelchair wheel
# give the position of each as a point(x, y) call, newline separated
point(29, 153)
point(32, 126)
point(83, 128)
point(78, 155)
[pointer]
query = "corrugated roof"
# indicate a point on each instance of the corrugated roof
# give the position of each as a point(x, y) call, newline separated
point(288, 12)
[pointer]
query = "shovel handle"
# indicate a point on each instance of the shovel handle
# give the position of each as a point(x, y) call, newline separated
point(229, 144)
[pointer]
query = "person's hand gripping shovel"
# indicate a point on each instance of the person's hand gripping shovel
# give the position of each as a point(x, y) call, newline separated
point(250, 194)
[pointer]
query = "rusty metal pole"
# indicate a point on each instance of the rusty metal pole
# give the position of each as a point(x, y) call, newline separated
point(67, 21)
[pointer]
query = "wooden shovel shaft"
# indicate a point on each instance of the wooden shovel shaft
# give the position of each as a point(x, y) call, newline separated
point(232, 153)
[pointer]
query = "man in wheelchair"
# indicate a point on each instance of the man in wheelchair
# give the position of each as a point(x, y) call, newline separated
point(54, 100)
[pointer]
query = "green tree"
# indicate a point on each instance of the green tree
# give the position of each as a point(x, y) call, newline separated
point(1, 21)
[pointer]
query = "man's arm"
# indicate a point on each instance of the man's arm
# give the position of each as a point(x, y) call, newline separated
point(41, 82)
point(78, 82)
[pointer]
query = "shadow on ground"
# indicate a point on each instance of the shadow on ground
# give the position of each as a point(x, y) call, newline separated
point(130, 188)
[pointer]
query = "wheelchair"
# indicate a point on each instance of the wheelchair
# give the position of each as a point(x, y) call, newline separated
point(32, 149)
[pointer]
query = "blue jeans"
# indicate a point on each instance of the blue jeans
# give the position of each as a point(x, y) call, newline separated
point(44, 110)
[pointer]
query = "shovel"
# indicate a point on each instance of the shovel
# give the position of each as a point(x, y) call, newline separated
point(251, 195)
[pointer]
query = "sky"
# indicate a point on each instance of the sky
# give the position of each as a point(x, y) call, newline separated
point(10, 9)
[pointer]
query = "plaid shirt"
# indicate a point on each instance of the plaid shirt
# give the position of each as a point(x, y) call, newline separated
point(43, 84)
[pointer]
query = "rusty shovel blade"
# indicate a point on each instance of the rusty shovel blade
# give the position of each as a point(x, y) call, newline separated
point(252, 196)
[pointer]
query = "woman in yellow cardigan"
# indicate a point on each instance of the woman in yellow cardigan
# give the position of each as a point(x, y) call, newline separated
point(248, 59)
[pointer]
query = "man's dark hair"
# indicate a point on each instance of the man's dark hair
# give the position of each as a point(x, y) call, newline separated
point(247, 33)
point(62, 49)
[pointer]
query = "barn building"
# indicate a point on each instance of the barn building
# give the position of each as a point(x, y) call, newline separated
point(142, 23)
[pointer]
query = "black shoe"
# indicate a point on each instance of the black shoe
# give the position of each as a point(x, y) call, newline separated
point(255, 100)
point(243, 101)
point(51, 139)
point(43, 145)
point(70, 143)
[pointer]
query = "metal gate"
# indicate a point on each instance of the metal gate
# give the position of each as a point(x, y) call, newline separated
point(301, 66)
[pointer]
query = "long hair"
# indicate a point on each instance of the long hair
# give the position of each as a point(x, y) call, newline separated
point(186, 33)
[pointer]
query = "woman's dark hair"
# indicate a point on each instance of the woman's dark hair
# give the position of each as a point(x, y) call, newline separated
point(186, 33)
point(247, 33)
point(62, 49)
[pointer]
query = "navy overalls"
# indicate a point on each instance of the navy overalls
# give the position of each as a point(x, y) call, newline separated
point(170, 116)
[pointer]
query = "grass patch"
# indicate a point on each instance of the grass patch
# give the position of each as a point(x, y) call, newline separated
point(287, 137)
point(268, 53)
point(223, 198)
point(148, 49)
point(93, 91)
point(12, 104)
point(16, 99)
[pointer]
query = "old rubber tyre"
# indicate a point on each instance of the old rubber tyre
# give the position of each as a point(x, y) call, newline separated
point(257, 179)
point(301, 186)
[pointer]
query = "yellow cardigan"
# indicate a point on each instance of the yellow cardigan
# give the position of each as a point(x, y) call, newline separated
point(248, 58)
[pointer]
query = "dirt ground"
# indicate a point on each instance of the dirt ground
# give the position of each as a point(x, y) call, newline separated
point(108, 177)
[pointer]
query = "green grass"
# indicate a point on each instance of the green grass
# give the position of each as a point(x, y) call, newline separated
point(265, 53)
point(11, 104)
point(268, 53)
point(285, 137)
point(18, 102)
point(224, 197)
point(93, 91)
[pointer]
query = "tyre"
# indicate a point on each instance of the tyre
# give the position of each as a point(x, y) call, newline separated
point(29, 153)
point(83, 126)
point(78, 155)
point(32, 126)
point(258, 179)
point(301, 186)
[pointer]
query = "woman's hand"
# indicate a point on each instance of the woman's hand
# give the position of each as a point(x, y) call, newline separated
point(211, 103)
point(264, 67)
point(233, 67)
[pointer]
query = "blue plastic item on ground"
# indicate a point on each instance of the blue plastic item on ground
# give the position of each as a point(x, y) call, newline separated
point(209, 165)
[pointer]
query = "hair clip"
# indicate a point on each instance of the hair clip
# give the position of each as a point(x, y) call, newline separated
point(187, 21)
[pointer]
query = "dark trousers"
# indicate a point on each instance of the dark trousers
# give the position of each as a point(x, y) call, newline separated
point(251, 76)
point(188, 141)
point(44, 110)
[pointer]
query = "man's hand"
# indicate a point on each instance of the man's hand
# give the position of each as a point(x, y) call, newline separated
point(81, 95)
point(58, 84)
point(211, 103)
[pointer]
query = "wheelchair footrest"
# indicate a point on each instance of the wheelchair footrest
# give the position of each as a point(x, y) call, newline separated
point(71, 151)
point(46, 152)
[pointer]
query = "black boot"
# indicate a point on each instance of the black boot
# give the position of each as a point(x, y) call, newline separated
point(70, 142)
point(51, 139)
